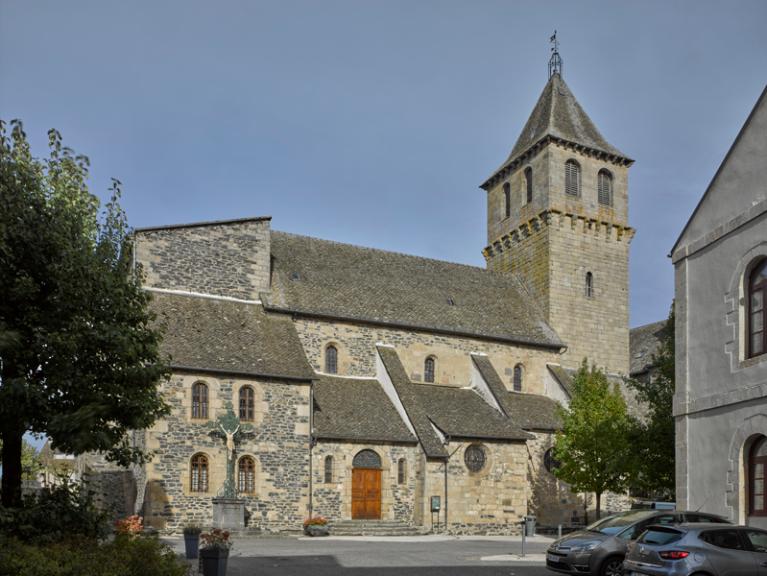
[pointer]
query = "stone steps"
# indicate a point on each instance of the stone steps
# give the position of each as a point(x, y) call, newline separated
point(375, 528)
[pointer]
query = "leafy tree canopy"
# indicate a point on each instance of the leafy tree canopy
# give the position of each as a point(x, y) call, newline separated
point(79, 354)
point(594, 445)
point(654, 435)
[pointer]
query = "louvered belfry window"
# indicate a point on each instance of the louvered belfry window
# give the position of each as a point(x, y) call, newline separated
point(572, 178)
point(605, 187)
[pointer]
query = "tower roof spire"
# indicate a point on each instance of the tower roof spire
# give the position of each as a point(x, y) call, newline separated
point(555, 62)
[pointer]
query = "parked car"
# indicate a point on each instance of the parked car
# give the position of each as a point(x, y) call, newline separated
point(599, 549)
point(698, 549)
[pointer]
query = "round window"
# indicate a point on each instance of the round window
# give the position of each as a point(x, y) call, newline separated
point(475, 457)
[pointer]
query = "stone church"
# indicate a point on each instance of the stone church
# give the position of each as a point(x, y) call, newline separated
point(374, 381)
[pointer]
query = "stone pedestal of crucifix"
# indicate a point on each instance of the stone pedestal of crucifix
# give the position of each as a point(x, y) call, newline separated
point(228, 509)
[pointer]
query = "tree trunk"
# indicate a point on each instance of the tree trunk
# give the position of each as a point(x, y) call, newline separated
point(11, 485)
point(599, 505)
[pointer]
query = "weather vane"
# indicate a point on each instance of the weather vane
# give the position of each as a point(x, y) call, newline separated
point(555, 62)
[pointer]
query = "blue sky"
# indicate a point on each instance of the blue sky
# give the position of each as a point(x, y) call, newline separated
point(374, 122)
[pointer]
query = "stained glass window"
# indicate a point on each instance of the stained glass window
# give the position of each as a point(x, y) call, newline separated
point(474, 457)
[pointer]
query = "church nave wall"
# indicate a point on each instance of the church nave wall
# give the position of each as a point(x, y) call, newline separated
point(356, 353)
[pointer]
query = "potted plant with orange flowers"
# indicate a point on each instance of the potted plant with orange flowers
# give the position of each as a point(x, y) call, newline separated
point(316, 526)
point(214, 552)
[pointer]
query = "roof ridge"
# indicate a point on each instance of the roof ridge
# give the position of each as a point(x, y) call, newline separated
point(203, 223)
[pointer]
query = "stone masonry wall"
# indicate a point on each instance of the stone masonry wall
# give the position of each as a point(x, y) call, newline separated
point(226, 259)
point(555, 240)
point(334, 500)
point(357, 353)
point(491, 501)
point(280, 448)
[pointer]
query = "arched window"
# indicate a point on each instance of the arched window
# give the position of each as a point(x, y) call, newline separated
point(605, 187)
point(328, 469)
point(401, 470)
point(428, 369)
point(757, 471)
point(572, 178)
point(589, 285)
point(198, 473)
point(529, 184)
point(519, 372)
point(331, 360)
point(246, 403)
point(506, 199)
point(757, 287)
point(199, 400)
point(246, 475)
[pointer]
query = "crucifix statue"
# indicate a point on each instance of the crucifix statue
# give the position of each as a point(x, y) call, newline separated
point(229, 428)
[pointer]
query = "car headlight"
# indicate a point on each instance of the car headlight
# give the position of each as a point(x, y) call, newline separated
point(586, 546)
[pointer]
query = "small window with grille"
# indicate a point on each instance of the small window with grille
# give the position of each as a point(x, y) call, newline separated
point(401, 471)
point(331, 360)
point(506, 200)
point(246, 404)
point(518, 375)
point(605, 187)
point(589, 285)
point(428, 369)
point(328, 469)
point(572, 178)
point(198, 474)
point(199, 401)
point(246, 475)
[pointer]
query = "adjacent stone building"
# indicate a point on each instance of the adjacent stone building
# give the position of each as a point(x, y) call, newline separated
point(720, 405)
point(373, 382)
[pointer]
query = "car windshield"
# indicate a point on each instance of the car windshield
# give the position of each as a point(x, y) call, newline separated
point(617, 522)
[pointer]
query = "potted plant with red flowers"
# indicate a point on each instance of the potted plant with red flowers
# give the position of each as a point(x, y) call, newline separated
point(192, 540)
point(316, 526)
point(214, 552)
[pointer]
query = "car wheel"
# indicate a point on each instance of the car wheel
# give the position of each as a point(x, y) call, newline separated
point(613, 566)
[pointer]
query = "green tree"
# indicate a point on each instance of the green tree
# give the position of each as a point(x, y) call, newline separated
point(654, 434)
point(30, 460)
point(79, 353)
point(594, 445)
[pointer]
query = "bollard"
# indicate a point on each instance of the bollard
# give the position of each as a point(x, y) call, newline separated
point(559, 531)
point(524, 532)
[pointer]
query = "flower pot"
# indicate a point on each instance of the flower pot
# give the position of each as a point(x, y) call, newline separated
point(192, 545)
point(317, 530)
point(214, 561)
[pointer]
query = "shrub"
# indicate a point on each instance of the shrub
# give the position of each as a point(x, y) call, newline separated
point(124, 556)
point(63, 512)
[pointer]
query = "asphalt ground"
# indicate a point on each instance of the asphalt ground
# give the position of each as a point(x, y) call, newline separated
point(372, 556)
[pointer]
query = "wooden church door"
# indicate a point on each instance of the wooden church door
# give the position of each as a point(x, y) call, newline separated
point(366, 486)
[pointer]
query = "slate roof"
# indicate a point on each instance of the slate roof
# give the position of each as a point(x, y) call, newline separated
point(356, 409)
point(645, 342)
point(534, 412)
point(430, 442)
point(209, 334)
point(557, 113)
point(463, 413)
point(342, 281)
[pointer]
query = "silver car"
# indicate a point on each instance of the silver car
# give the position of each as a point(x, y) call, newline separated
point(699, 550)
point(599, 550)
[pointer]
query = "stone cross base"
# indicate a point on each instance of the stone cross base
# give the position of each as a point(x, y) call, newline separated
point(229, 513)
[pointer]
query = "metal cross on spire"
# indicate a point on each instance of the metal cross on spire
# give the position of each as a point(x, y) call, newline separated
point(555, 62)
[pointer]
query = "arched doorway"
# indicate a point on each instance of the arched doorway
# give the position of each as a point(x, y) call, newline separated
point(756, 485)
point(366, 486)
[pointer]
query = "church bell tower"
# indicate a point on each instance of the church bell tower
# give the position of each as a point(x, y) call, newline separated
point(557, 216)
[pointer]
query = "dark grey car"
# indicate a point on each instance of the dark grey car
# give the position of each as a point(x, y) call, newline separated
point(698, 549)
point(600, 549)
